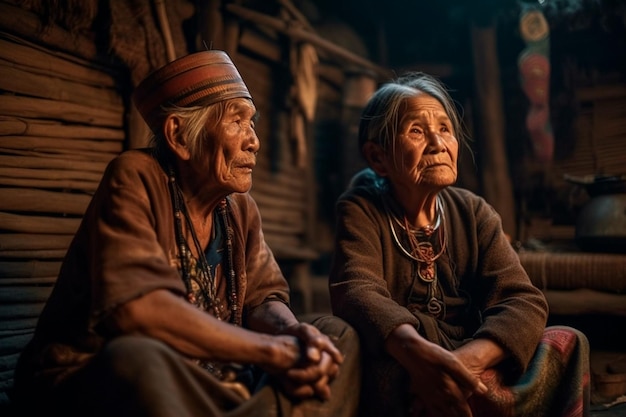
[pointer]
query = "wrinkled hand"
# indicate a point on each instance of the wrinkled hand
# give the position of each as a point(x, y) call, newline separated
point(317, 366)
point(441, 384)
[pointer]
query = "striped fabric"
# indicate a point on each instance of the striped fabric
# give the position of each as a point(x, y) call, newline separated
point(556, 383)
point(202, 78)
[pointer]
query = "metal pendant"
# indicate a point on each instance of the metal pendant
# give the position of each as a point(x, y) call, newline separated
point(435, 306)
point(426, 271)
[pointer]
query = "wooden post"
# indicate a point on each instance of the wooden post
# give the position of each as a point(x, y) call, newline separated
point(358, 88)
point(497, 187)
point(211, 25)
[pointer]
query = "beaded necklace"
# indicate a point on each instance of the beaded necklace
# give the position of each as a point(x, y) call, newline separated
point(423, 252)
point(206, 281)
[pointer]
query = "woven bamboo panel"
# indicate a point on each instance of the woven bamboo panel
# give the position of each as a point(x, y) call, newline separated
point(61, 122)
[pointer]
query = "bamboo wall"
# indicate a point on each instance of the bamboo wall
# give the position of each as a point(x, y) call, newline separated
point(61, 121)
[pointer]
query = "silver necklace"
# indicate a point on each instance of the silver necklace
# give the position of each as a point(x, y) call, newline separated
point(423, 252)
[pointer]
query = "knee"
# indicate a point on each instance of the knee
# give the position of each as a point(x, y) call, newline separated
point(335, 328)
point(130, 356)
point(567, 334)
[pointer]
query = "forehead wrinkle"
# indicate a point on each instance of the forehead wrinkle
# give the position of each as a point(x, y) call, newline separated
point(429, 115)
point(423, 104)
point(241, 106)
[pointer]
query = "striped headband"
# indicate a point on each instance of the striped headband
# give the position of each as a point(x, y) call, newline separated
point(199, 79)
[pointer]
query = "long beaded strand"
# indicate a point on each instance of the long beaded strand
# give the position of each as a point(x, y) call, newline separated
point(210, 295)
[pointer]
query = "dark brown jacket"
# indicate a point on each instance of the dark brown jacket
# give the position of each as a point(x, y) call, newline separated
point(486, 291)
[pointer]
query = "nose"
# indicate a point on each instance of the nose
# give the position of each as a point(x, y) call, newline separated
point(253, 144)
point(436, 143)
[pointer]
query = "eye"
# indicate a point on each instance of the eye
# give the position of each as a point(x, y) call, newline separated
point(415, 130)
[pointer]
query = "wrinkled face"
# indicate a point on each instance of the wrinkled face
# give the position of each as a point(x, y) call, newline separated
point(232, 148)
point(425, 152)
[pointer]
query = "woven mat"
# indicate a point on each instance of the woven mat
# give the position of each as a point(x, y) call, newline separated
point(567, 271)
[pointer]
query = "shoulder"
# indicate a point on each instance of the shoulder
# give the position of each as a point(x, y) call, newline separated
point(465, 200)
point(364, 185)
point(244, 210)
point(133, 157)
point(134, 160)
point(242, 202)
point(462, 194)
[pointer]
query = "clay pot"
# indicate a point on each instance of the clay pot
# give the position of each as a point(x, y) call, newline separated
point(601, 222)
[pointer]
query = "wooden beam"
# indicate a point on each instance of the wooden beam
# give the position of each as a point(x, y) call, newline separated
point(299, 34)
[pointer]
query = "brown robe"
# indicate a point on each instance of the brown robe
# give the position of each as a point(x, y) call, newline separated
point(486, 292)
point(126, 247)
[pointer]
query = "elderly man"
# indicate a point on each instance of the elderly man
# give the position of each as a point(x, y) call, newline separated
point(169, 301)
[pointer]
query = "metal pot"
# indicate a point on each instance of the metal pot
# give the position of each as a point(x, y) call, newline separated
point(601, 222)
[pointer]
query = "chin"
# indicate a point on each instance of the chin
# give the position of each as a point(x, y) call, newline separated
point(440, 181)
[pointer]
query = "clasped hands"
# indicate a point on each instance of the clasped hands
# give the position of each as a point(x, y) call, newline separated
point(312, 364)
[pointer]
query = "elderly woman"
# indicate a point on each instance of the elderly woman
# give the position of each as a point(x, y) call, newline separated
point(169, 302)
point(450, 324)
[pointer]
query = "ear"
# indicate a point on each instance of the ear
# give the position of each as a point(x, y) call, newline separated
point(376, 158)
point(175, 141)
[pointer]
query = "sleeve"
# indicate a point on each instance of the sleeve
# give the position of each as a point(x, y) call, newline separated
point(358, 290)
point(125, 226)
point(264, 280)
point(514, 311)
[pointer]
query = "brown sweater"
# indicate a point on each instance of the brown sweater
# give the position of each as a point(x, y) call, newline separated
point(126, 247)
point(486, 291)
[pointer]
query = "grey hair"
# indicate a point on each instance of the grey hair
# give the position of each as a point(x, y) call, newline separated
point(380, 118)
point(198, 123)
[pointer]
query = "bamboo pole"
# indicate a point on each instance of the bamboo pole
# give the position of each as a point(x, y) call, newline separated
point(86, 186)
point(33, 127)
point(33, 254)
point(29, 269)
point(26, 83)
point(165, 29)
point(49, 174)
point(10, 281)
point(28, 142)
point(41, 62)
point(70, 154)
point(56, 163)
point(38, 224)
point(23, 199)
point(302, 35)
point(29, 241)
point(60, 110)
point(25, 294)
